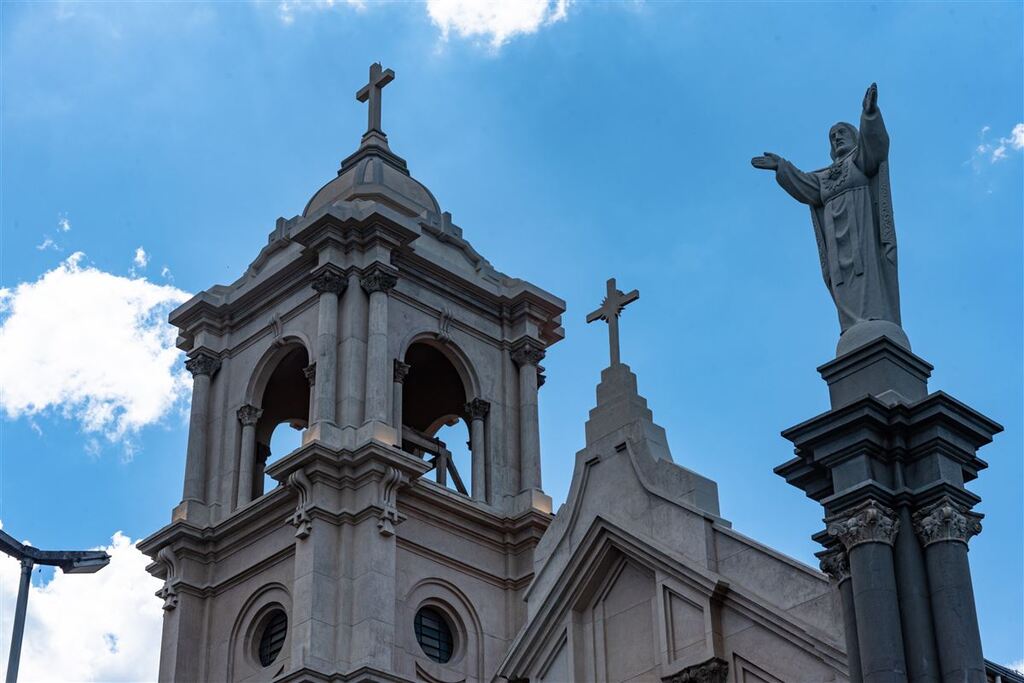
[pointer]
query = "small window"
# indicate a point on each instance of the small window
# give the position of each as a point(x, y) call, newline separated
point(275, 628)
point(434, 634)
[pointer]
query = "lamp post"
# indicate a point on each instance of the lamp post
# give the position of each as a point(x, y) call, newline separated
point(70, 562)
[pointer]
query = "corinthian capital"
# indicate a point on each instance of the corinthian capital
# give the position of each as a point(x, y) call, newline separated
point(328, 281)
point(869, 522)
point(836, 564)
point(310, 372)
point(714, 670)
point(203, 363)
point(249, 415)
point(527, 352)
point(946, 520)
point(400, 371)
point(378, 280)
point(477, 409)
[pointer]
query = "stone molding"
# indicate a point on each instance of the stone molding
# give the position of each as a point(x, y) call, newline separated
point(203, 363)
point(301, 520)
point(714, 670)
point(477, 409)
point(378, 280)
point(836, 564)
point(310, 372)
point(249, 415)
point(328, 281)
point(946, 520)
point(388, 518)
point(401, 370)
point(527, 352)
point(869, 522)
point(168, 591)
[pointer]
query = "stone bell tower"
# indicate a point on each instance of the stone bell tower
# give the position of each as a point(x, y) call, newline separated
point(368, 323)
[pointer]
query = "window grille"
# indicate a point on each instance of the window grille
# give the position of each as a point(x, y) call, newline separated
point(434, 634)
point(272, 638)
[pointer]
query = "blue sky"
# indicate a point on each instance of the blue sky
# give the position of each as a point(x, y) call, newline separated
point(577, 143)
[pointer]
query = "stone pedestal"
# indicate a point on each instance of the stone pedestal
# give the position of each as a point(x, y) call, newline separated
point(889, 447)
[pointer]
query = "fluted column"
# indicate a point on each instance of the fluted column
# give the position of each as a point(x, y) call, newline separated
point(945, 528)
point(399, 371)
point(837, 565)
point(329, 285)
point(248, 416)
point(476, 411)
point(203, 366)
point(377, 284)
point(867, 532)
point(527, 355)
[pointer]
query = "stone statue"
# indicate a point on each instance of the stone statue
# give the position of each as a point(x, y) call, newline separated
point(851, 210)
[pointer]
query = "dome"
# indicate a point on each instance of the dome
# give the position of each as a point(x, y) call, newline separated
point(377, 174)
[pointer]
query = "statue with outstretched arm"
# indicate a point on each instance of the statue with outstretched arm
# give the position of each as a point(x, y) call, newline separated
point(851, 211)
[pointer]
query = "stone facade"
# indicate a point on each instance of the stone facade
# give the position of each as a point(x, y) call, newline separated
point(368, 323)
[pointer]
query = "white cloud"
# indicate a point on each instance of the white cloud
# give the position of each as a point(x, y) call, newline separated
point(63, 224)
point(1017, 666)
point(96, 627)
point(47, 243)
point(495, 21)
point(141, 258)
point(997, 150)
point(93, 347)
point(165, 273)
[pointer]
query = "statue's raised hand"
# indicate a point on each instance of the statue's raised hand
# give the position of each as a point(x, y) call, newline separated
point(871, 99)
point(769, 161)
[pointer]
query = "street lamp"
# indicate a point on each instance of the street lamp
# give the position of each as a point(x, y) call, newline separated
point(70, 562)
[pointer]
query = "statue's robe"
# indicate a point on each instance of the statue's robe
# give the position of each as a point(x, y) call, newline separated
point(851, 209)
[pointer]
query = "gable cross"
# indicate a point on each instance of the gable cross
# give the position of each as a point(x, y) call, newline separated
point(379, 77)
point(611, 307)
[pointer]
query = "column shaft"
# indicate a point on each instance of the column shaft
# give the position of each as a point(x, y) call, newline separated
point(915, 610)
point(876, 606)
point(377, 383)
point(202, 366)
point(400, 371)
point(850, 627)
point(353, 353)
point(529, 428)
point(327, 357)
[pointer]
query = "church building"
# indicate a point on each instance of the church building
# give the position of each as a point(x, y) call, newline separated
point(373, 551)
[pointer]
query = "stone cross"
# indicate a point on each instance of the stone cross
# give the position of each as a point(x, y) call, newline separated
point(372, 91)
point(611, 307)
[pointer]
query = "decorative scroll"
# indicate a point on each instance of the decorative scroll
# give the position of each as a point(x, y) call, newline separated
point(527, 352)
point(203, 363)
point(301, 520)
point(379, 280)
point(477, 409)
point(249, 415)
point(168, 592)
point(401, 370)
point(328, 281)
point(388, 518)
point(836, 564)
point(444, 325)
point(310, 372)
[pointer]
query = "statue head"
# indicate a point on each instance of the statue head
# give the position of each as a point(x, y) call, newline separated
point(842, 138)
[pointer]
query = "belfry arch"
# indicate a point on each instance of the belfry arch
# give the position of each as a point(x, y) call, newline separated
point(436, 389)
point(279, 395)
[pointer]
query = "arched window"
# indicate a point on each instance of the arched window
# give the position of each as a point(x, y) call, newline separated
point(284, 414)
point(433, 415)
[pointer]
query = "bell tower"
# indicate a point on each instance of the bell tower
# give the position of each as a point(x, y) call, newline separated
point(368, 328)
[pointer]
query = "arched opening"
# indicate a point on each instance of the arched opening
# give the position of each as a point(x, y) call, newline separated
point(433, 415)
point(285, 414)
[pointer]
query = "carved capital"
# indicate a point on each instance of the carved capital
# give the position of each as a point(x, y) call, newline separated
point(401, 370)
point(249, 415)
point(869, 522)
point(836, 564)
point(714, 670)
point(203, 363)
point(477, 409)
point(328, 281)
point(301, 520)
point(946, 520)
point(310, 372)
point(378, 280)
point(527, 352)
point(168, 592)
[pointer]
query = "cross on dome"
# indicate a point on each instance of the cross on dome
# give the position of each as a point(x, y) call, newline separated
point(379, 77)
point(614, 301)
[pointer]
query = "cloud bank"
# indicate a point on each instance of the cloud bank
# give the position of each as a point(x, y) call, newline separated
point(87, 627)
point(90, 346)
